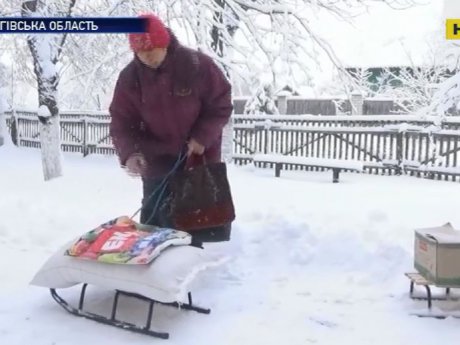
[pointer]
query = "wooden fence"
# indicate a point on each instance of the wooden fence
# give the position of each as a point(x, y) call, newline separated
point(393, 144)
point(392, 150)
point(86, 133)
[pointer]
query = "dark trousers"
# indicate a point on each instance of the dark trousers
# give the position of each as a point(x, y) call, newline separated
point(161, 217)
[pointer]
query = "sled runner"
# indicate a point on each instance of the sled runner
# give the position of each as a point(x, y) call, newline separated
point(113, 321)
point(416, 279)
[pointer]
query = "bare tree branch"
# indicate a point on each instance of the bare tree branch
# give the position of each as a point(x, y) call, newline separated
point(64, 36)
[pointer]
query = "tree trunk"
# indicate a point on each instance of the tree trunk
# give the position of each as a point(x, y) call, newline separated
point(217, 40)
point(50, 148)
point(45, 57)
point(217, 43)
point(5, 136)
point(48, 113)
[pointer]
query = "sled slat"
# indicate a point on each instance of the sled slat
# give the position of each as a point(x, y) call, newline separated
point(418, 279)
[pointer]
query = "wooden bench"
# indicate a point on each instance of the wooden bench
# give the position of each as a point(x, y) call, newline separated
point(336, 165)
point(432, 172)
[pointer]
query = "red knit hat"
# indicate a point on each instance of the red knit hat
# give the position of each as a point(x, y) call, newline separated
point(156, 35)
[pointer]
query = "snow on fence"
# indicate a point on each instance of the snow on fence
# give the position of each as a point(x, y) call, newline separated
point(348, 120)
point(386, 144)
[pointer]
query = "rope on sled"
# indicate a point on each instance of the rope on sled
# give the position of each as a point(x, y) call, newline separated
point(161, 188)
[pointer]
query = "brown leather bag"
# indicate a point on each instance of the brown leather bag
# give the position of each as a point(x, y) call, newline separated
point(200, 196)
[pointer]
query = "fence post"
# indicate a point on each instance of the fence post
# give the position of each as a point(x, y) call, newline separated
point(282, 103)
point(85, 136)
point(264, 129)
point(399, 152)
point(267, 140)
point(15, 128)
point(357, 103)
point(434, 150)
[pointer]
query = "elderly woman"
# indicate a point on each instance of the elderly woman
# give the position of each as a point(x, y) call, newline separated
point(169, 99)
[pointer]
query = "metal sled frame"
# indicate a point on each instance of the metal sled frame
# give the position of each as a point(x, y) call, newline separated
point(418, 279)
point(146, 330)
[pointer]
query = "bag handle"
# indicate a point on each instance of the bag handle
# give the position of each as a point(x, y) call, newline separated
point(194, 160)
point(161, 188)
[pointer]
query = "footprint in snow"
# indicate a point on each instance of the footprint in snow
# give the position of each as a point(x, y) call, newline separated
point(325, 323)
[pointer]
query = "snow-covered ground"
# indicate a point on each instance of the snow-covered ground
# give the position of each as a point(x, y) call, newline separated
point(312, 262)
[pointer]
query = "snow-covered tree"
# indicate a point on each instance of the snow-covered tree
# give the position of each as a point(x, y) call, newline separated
point(277, 36)
point(341, 87)
point(415, 87)
point(446, 100)
point(262, 100)
point(274, 36)
point(91, 63)
point(412, 88)
point(46, 51)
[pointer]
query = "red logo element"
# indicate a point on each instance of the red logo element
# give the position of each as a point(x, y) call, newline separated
point(423, 246)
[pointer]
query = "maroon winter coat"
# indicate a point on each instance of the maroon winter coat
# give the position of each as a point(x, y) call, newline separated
point(156, 111)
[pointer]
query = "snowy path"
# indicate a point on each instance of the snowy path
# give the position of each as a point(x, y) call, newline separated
point(314, 262)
